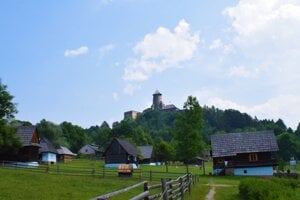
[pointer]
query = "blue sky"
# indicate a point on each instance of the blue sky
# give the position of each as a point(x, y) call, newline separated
point(90, 61)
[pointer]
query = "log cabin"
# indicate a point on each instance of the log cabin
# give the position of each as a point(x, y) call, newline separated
point(47, 152)
point(147, 154)
point(29, 152)
point(244, 154)
point(120, 151)
point(65, 155)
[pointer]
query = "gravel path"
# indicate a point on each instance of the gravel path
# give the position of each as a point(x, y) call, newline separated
point(210, 195)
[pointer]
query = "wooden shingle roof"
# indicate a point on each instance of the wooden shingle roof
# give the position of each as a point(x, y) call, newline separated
point(26, 134)
point(128, 147)
point(46, 146)
point(146, 151)
point(231, 144)
point(65, 151)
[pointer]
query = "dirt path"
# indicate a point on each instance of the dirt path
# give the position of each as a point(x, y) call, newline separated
point(211, 194)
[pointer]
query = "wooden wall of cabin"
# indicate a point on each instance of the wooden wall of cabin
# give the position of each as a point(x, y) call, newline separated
point(28, 154)
point(115, 153)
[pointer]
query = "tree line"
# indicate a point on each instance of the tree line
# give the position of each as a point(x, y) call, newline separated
point(178, 135)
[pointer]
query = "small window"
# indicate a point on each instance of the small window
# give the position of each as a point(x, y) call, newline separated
point(245, 171)
point(253, 157)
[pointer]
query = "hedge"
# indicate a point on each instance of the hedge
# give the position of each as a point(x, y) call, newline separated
point(269, 189)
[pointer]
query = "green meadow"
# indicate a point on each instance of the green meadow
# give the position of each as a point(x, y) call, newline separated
point(83, 179)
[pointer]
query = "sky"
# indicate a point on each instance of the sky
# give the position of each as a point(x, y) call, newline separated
point(86, 61)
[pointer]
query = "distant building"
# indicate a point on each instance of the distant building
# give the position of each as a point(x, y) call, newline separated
point(147, 154)
point(120, 151)
point(90, 150)
point(131, 114)
point(65, 155)
point(30, 139)
point(244, 154)
point(157, 103)
point(47, 152)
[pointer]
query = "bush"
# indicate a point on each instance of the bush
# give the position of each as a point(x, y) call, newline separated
point(267, 189)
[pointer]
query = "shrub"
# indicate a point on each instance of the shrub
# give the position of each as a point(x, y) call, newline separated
point(267, 189)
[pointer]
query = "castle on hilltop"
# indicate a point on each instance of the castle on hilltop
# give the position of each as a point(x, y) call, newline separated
point(157, 104)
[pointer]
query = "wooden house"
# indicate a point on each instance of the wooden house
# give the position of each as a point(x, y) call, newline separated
point(120, 151)
point(65, 155)
point(47, 152)
point(29, 152)
point(249, 153)
point(90, 150)
point(147, 154)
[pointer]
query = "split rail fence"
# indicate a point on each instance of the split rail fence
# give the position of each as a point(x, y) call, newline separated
point(170, 189)
point(97, 172)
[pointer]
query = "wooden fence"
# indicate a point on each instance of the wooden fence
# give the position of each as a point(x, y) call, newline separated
point(170, 189)
point(97, 172)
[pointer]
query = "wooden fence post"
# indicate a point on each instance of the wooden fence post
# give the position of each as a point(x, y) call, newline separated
point(103, 171)
point(57, 168)
point(171, 190)
point(146, 189)
point(181, 188)
point(189, 183)
point(164, 189)
point(93, 172)
point(140, 174)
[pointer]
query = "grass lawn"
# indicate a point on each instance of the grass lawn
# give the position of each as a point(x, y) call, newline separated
point(18, 183)
point(23, 184)
point(226, 188)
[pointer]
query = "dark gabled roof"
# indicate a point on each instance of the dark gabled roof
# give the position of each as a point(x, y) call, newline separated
point(26, 133)
point(46, 146)
point(94, 147)
point(146, 151)
point(231, 144)
point(65, 151)
point(127, 146)
point(170, 107)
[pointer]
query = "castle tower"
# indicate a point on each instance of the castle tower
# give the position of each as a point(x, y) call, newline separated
point(157, 100)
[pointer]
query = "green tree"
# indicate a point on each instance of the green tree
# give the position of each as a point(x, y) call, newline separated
point(52, 132)
point(288, 146)
point(74, 135)
point(9, 142)
point(101, 136)
point(7, 107)
point(164, 151)
point(297, 132)
point(188, 132)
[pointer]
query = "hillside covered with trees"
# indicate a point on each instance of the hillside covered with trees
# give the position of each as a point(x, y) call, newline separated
point(169, 132)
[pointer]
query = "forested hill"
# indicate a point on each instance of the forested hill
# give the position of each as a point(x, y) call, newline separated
point(160, 124)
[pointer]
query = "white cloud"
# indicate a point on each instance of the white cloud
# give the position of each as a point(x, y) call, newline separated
point(243, 72)
point(266, 35)
point(285, 107)
point(161, 50)
point(131, 88)
point(265, 28)
point(216, 44)
point(76, 52)
point(106, 48)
